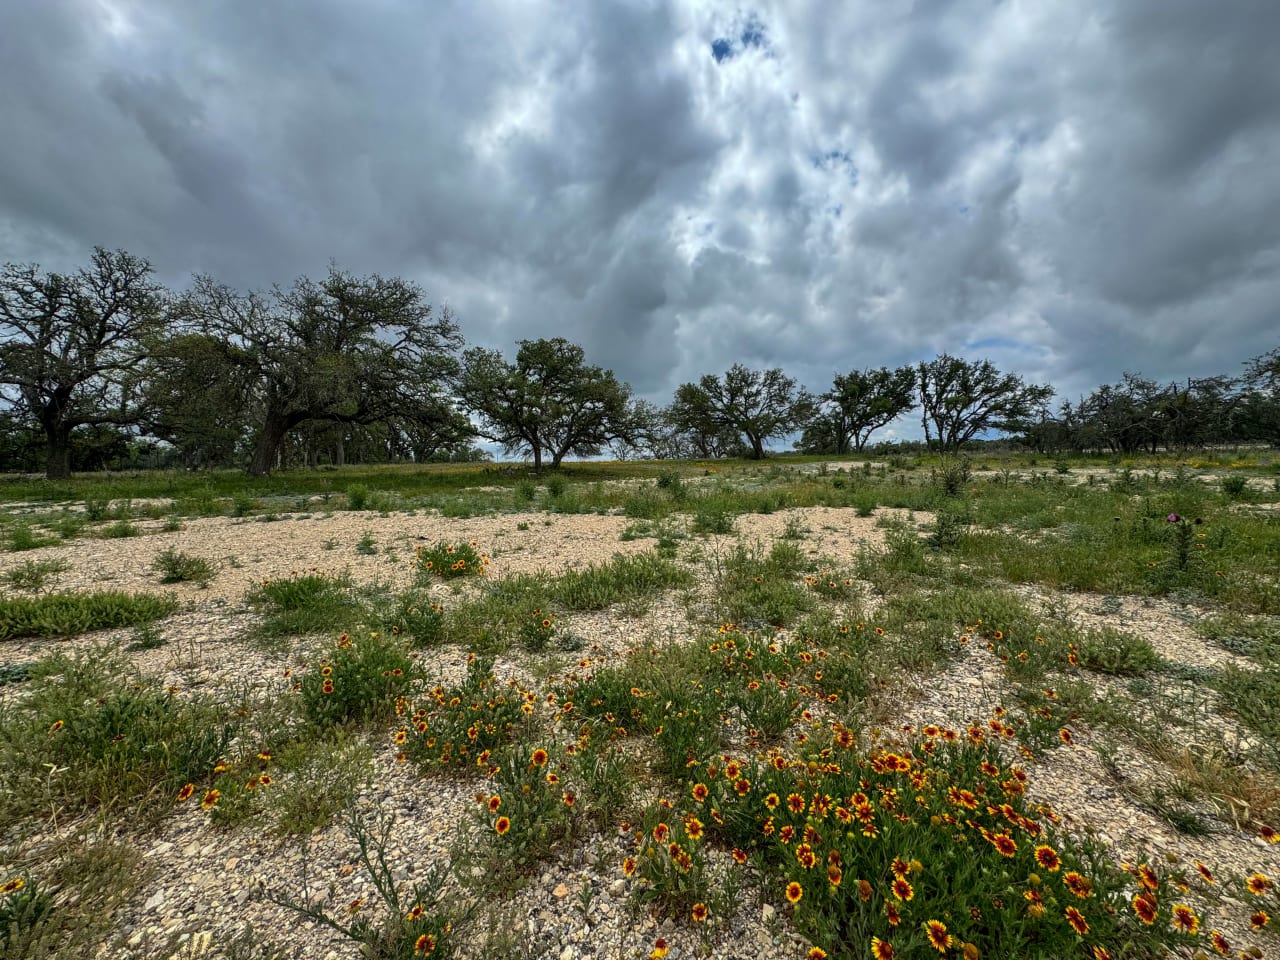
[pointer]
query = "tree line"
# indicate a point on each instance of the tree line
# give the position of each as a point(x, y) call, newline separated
point(99, 364)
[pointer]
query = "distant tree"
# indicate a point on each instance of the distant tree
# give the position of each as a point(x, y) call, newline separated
point(71, 345)
point(1258, 417)
point(861, 402)
point(549, 402)
point(960, 399)
point(346, 349)
point(1124, 417)
point(754, 404)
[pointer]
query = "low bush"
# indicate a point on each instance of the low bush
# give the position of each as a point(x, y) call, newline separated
point(69, 614)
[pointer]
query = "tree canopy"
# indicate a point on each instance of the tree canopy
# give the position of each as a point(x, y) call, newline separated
point(346, 349)
point(71, 345)
point(961, 398)
point(858, 404)
point(753, 404)
point(550, 401)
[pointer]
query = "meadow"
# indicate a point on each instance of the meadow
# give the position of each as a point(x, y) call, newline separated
point(905, 707)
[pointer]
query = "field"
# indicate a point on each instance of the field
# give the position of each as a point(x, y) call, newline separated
point(906, 707)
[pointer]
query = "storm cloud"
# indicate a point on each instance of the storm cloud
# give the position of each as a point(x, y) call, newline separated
point(1072, 189)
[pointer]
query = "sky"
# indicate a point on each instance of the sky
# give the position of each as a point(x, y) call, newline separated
point(1070, 189)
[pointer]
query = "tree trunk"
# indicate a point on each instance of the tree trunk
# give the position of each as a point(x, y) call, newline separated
point(757, 447)
point(268, 447)
point(340, 455)
point(537, 458)
point(58, 453)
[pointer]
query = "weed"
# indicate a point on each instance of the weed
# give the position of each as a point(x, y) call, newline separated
point(304, 603)
point(146, 637)
point(176, 567)
point(367, 545)
point(357, 496)
point(22, 536)
point(35, 574)
point(1107, 650)
point(119, 530)
point(69, 614)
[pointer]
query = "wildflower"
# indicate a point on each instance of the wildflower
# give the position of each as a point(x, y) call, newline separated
point(902, 889)
point(900, 867)
point(1048, 858)
point(425, 944)
point(1147, 877)
point(1220, 943)
point(628, 866)
point(699, 912)
point(1004, 844)
point(502, 825)
point(834, 875)
point(864, 890)
point(970, 951)
point(1078, 923)
point(12, 886)
point(660, 949)
point(1205, 872)
point(939, 939)
point(185, 793)
point(495, 803)
point(700, 792)
point(56, 726)
point(569, 798)
point(1185, 919)
point(210, 800)
point(794, 892)
point(415, 913)
point(1258, 884)
point(1145, 909)
point(881, 950)
point(1101, 953)
point(1065, 736)
point(1082, 887)
point(892, 914)
point(739, 856)
point(816, 953)
point(539, 758)
point(772, 801)
point(795, 803)
point(1259, 920)
point(660, 833)
point(693, 827)
point(354, 906)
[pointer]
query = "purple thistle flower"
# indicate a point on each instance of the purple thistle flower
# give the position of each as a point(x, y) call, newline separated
point(1174, 518)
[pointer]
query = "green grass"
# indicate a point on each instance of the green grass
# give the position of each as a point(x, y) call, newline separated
point(303, 603)
point(90, 733)
point(69, 614)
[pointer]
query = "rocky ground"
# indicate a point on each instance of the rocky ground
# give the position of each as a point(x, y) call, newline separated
point(203, 879)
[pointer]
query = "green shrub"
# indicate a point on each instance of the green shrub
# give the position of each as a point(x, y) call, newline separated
point(68, 614)
point(1234, 485)
point(460, 725)
point(34, 574)
point(450, 560)
point(712, 519)
point(23, 536)
point(360, 679)
point(176, 567)
point(357, 496)
point(419, 619)
point(119, 530)
point(304, 603)
point(1107, 650)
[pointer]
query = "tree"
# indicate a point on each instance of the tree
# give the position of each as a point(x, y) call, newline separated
point(860, 403)
point(754, 404)
point(198, 388)
point(960, 399)
point(346, 349)
point(70, 345)
point(549, 401)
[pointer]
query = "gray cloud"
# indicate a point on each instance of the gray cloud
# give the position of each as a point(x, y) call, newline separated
point(1073, 189)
